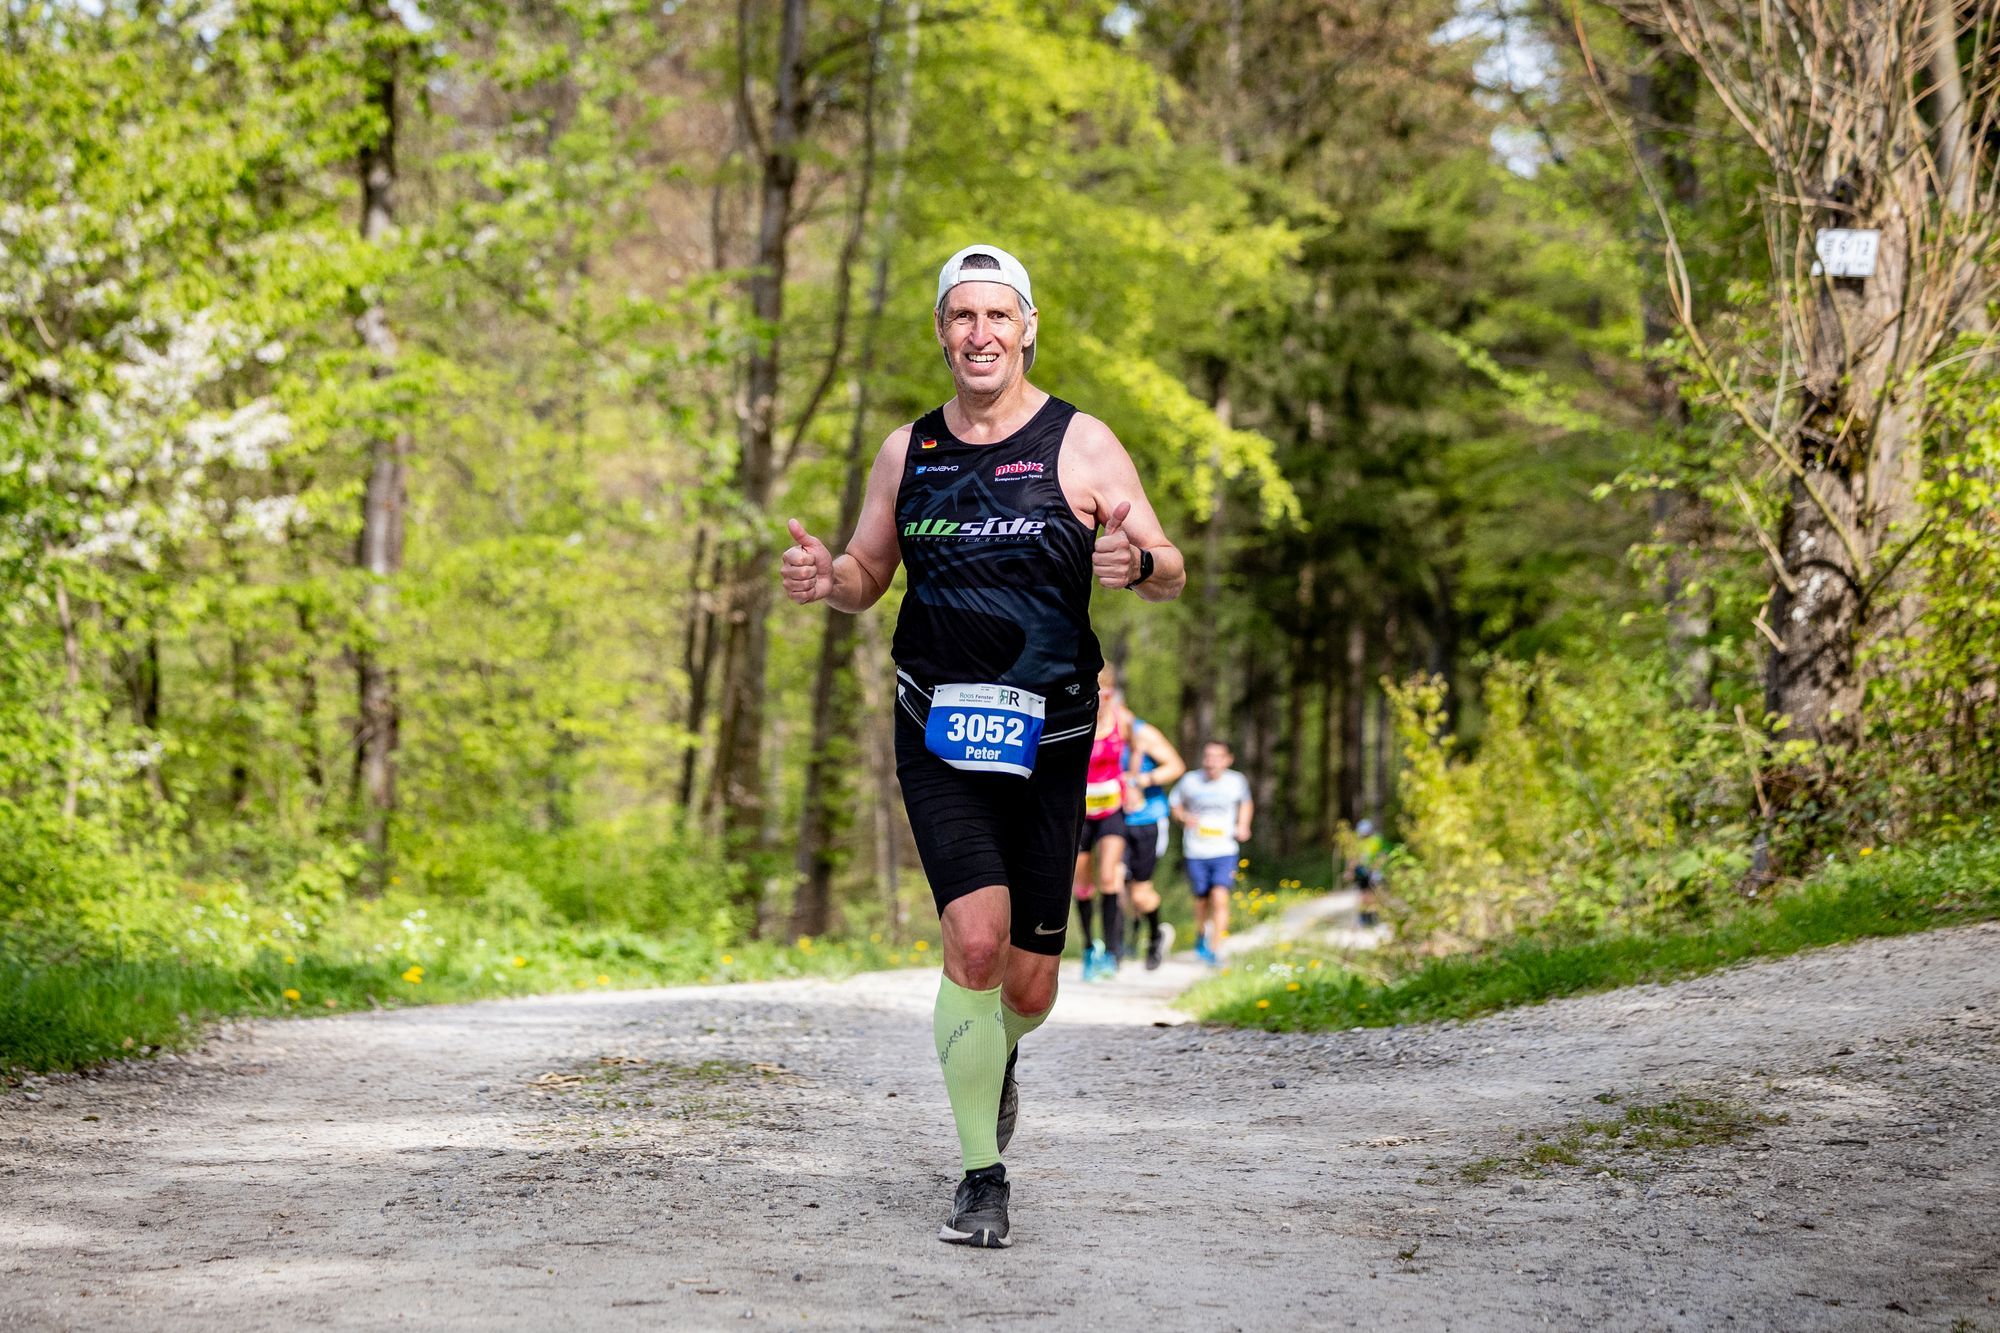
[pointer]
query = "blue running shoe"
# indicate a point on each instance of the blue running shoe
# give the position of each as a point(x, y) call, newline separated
point(1203, 952)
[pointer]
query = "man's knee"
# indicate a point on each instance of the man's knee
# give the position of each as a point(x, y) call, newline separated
point(978, 954)
point(1030, 992)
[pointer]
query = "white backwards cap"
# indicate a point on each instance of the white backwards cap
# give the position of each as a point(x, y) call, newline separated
point(1012, 272)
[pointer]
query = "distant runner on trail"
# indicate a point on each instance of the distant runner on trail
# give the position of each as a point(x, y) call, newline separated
point(1367, 870)
point(994, 501)
point(1153, 764)
point(1214, 809)
point(1100, 857)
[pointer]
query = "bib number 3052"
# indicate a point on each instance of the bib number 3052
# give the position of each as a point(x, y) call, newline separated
point(985, 728)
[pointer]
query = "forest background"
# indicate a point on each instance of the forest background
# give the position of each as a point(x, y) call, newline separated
point(401, 404)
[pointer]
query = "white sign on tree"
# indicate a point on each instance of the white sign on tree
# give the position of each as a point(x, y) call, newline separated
point(1846, 254)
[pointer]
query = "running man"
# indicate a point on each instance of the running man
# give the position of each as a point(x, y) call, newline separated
point(1153, 765)
point(1100, 857)
point(1214, 809)
point(1367, 870)
point(1005, 503)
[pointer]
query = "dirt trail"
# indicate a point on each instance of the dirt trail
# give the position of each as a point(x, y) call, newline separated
point(780, 1155)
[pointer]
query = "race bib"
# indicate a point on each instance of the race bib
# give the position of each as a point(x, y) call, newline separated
point(985, 728)
point(1101, 798)
point(1211, 830)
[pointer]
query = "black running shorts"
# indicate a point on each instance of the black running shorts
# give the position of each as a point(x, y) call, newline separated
point(976, 829)
point(1142, 851)
point(1096, 830)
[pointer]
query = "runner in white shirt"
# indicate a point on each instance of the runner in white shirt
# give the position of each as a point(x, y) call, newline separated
point(1213, 808)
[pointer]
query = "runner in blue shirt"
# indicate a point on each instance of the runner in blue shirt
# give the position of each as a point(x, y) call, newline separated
point(1154, 765)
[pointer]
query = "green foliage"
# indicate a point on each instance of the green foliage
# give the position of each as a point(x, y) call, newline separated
point(1620, 805)
point(1934, 752)
point(1888, 891)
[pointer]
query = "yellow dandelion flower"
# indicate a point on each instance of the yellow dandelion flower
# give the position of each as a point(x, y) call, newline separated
point(1263, 1004)
point(415, 976)
point(921, 945)
point(518, 961)
point(1242, 863)
point(1868, 851)
point(875, 937)
point(603, 980)
point(727, 959)
point(895, 958)
point(291, 993)
point(1313, 963)
point(289, 960)
point(1292, 985)
point(702, 980)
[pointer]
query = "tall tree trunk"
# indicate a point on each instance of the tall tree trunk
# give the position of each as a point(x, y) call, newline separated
point(1353, 698)
point(1855, 488)
point(308, 683)
point(380, 548)
point(826, 811)
point(1286, 812)
point(1329, 749)
point(699, 656)
point(740, 785)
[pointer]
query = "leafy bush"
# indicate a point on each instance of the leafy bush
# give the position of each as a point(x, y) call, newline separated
point(1591, 799)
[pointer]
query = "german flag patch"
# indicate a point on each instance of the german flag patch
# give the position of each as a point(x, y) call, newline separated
point(927, 444)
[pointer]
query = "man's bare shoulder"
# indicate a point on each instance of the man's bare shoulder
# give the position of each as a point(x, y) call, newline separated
point(897, 446)
point(1092, 437)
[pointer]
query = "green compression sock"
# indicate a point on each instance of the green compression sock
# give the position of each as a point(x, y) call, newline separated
point(972, 1051)
point(1018, 1024)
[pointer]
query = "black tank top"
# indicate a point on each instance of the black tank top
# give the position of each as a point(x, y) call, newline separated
point(999, 581)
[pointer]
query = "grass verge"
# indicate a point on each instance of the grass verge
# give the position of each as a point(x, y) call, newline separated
point(73, 1014)
point(1890, 892)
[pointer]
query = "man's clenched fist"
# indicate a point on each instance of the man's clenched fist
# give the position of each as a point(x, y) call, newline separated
point(806, 566)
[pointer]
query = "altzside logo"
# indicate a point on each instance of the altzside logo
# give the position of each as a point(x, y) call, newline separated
point(985, 527)
point(1010, 471)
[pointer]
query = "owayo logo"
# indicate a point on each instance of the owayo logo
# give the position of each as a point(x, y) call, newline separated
point(936, 467)
point(985, 527)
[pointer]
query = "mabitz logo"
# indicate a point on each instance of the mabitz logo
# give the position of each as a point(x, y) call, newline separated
point(1016, 471)
point(985, 527)
point(936, 467)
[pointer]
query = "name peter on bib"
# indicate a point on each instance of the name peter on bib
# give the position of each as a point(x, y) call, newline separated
point(986, 728)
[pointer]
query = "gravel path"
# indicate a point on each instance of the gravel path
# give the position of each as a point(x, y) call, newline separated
point(780, 1155)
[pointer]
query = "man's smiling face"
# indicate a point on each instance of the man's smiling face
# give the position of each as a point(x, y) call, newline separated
point(984, 332)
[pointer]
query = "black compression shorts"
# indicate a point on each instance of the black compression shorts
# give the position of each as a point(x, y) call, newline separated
point(975, 829)
point(1094, 830)
point(1142, 851)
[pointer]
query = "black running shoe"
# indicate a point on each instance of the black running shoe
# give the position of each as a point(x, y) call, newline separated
point(1010, 1103)
point(979, 1210)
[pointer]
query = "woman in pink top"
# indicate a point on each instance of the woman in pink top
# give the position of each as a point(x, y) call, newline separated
point(1100, 859)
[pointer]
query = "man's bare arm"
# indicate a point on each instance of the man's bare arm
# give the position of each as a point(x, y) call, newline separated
point(857, 579)
point(1100, 481)
point(1168, 766)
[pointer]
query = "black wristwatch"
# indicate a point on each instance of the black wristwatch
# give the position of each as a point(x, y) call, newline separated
point(1145, 568)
